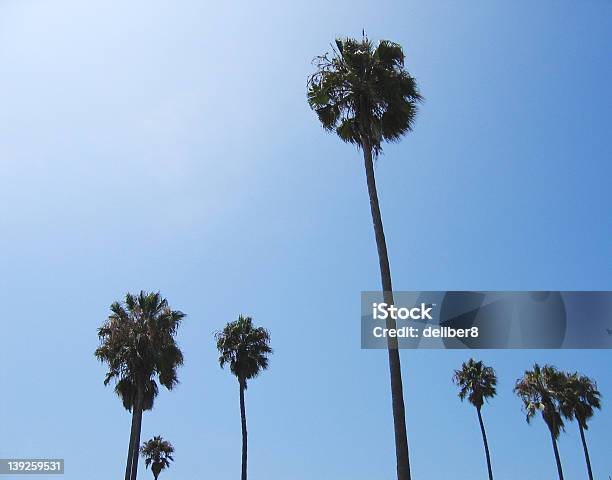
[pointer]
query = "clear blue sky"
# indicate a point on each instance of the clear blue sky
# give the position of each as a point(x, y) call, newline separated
point(168, 146)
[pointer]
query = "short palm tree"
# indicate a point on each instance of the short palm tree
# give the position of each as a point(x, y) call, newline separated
point(540, 390)
point(245, 348)
point(477, 383)
point(137, 341)
point(579, 399)
point(364, 94)
point(157, 453)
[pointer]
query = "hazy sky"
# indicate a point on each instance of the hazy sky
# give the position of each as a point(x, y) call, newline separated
point(168, 146)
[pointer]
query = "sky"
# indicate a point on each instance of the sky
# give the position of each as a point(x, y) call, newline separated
point(168, 146)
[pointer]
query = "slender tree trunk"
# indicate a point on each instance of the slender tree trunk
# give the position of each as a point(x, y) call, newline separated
point(586, 451)
point(486, 444)
point(128, 468)
point(244, 430)
point(397, 395)
point(138, 426)
point(557, 458)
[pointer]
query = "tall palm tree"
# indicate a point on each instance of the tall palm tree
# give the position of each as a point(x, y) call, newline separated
point(579, 399)
point(245, 349)
point(477, 383)
point(540, 390)
point(137, 341)
point(157, 453)
point(364, 94)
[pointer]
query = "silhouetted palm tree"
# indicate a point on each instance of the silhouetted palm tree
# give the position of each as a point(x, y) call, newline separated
point(138, 344)
point(579, 397)
point(477, 383)
point(245, 349)
point(365, 95)
point(540, 390)
point(157, 453)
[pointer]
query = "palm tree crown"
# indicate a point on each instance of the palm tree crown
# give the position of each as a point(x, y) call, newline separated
point(539, 389)
point(157, 453)
point(579, 399)
point(244, 347)
point(476, 382)
point(137, 343)
point(364, 93)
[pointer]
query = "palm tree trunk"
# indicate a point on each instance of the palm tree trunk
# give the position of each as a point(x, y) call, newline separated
point(397, 395)
point(128, 467)
point(486, 444)
point(557, 458)
point(244, 430)
point(586, 451)
point(138, 426)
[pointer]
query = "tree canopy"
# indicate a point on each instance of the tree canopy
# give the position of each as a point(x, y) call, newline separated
point(363, 92)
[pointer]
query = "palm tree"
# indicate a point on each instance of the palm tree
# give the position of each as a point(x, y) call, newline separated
point(157, 453)
point(540, 390)
point(137, 341)
point(477, 382)
point(245, 348)
point(580, 396)
point(365, 95)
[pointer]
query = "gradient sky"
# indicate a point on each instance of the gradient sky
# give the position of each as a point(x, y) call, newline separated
point(166, 145)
